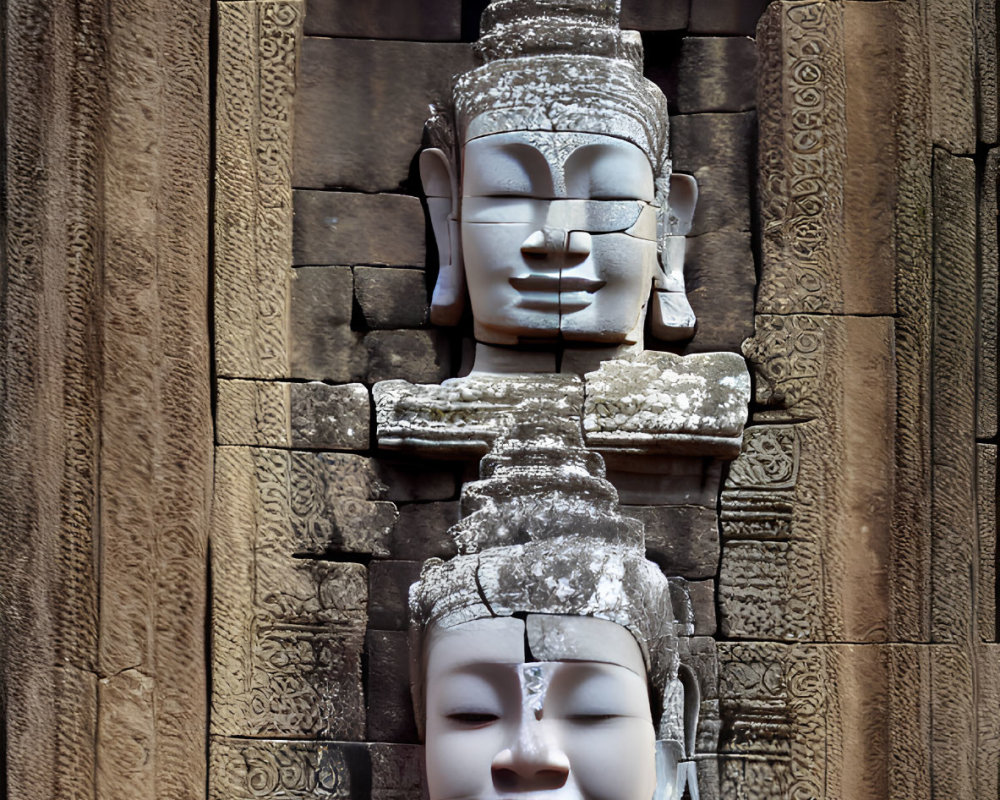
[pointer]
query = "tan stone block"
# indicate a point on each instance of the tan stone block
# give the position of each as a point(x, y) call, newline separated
point(986, 71)
point(953, 403)
point(253, 205)
point(987, 700)
point(244, 769)
point(127, 752)
point(951, 43)
point(829, 84)
point(321, 344)
point(348, 228)
point(987, 377)
point(364, 134)
point(986, 520)
point(721, 282)
point(424, 20)
point(299, 415)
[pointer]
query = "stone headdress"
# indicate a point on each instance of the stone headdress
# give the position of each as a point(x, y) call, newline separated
point(543, 534)
point(561, 65)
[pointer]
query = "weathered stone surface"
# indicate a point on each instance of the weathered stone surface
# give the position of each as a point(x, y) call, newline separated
point(392, 298)
point(953, 409)
point(986, 71)
point(813, 499)
point(721, 279)
point(986, 508)
point(664, 480)
point(988, 727)
point(249, 769)
point(388, 593)
point(951, 37)
point(683, 540)
point(321, 344)
point(989, 311)
point(660, 402)
point(253, 205)
point(716, 149)
point(713, 74)
point(298, 415)
point(416, 481)
point(726, 17)
point(348, 228)
point(830, 87)
point(424, 20)
point(390, 709)
point(421, 532)
point(365, 135)
point(655, 15)
point(418, 356)
point(462, 416)
point(703, 602)
point(397, 772)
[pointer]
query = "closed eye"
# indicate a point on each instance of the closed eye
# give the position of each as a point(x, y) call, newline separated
point(591, 719)
point(473, 719)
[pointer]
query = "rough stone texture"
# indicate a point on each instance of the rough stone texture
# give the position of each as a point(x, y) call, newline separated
point(390, 709)
point(417, 481)
point(726, 17)
point(297, 415)
point(721, 279)
point(986, 508)
point(643, 480)
point(418, 356)
point(397, 772)
point(105, 423)
point(951, 42)
point(806, 506)
point(288, 633)
point(365, 135)
point(828, 237)
point(953, 411)
point(988, 724)
point(427, 20)
point(655, 15)
point(714, 74)
point(321, 344)
point(392, 298)
point(703, 601)
point(683, 540)
point(660, 402)
point(718, 150)
point(421, 532)
point(348, 228)
point(987, 65)
point(250, 769)
point(253, 201)
point(388, 592)
point(989, 311)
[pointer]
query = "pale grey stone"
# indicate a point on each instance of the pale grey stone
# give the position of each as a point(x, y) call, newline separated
point(328, 417)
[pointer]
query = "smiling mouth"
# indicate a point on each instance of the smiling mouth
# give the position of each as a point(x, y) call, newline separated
point(550, 292)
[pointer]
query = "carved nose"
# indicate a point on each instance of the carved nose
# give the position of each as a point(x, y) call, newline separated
point(534, 763)
point(553, 241)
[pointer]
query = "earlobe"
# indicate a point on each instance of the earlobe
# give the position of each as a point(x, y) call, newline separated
point(441, 188)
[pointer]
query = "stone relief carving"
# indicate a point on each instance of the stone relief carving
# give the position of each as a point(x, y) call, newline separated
point(538, 649)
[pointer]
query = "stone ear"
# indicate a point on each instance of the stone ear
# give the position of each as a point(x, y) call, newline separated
point(441, 188)
point(671, 317)
point(683, 199)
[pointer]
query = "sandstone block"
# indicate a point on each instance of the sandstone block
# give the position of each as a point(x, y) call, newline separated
point(683, 540)
point(390, 708)
point(417, 356)
point(365, 134)
point(725, 17)
point(299, 415)
point(388, 593)
point(416, 481)
point(714, 74)
point(717, 149)
point(424, 20)
point(986, 71)
point(392, 298)
point(244, 769)
point(721, 281)
point(986, 501)
point(348, 228)
point(421, 531)
point(655, 15)
point(989, 311)
point(397, 772)
point(321, 343)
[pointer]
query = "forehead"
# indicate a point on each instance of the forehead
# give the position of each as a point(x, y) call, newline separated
point(556, 147)
point(506, 640)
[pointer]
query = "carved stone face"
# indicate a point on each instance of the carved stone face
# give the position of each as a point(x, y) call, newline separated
point(575, 724)
point(558, 236)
